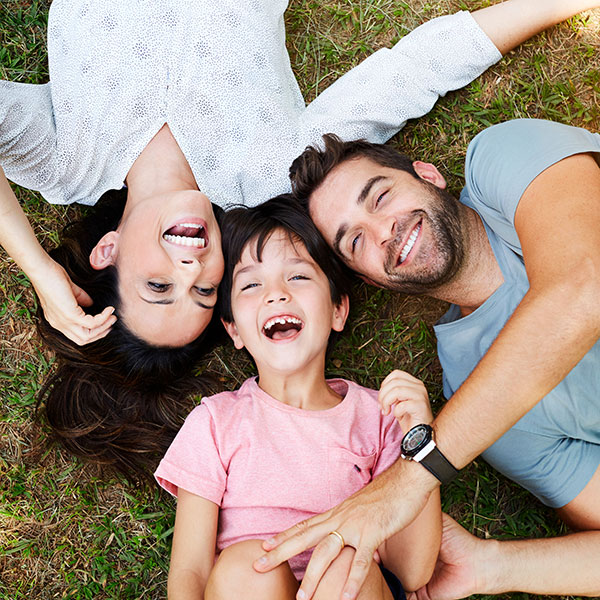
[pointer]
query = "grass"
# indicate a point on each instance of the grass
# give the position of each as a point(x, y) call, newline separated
point(68, 530)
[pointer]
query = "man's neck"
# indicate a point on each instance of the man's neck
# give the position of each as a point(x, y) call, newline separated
point(480, 275)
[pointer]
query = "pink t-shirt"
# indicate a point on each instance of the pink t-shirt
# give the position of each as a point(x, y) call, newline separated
point(269, 465)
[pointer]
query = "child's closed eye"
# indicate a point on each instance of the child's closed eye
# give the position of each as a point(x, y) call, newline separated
point(248, 286)
point(298, 277)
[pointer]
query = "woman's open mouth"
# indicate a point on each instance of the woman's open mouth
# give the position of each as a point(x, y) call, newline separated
point(187, 234)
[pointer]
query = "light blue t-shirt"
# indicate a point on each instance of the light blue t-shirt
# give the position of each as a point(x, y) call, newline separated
point(554, 450)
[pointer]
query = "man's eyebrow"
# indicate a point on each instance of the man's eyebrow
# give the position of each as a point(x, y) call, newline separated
point(367, 188)
point(198, 303)
point(341, 232)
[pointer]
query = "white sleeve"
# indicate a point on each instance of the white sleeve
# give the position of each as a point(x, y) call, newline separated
point(375, 99)
point(27, 135)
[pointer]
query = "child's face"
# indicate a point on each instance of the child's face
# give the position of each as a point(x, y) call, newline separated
point(282, 307)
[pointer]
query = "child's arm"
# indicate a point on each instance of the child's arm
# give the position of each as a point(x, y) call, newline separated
point(59, 296)
point(194, 543)
point(411, 554)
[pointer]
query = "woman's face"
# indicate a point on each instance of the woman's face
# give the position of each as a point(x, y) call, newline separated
point(167, 251)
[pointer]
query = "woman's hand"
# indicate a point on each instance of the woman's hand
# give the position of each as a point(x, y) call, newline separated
point(406, 398)
point(61, 301)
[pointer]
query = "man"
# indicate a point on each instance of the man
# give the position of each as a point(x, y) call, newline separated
point(519, 259)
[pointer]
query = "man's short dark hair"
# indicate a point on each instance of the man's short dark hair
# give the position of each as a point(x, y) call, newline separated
point(312, 167)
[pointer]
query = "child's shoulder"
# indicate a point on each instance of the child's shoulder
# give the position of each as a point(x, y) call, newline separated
point(225, 401)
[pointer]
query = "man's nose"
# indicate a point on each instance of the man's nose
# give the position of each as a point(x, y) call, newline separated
point(384, 230)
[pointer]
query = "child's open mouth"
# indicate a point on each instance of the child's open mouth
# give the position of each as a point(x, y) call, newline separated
point(282, 327)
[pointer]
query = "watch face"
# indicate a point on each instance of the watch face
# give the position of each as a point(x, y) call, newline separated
point(415, 439)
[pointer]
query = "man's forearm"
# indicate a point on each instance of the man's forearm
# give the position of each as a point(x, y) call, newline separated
point(512, 22)
point(536, 349)
point(559, 566)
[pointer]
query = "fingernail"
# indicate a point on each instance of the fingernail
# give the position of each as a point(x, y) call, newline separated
point(262, 560)
point(300, 594)
point(270, 541)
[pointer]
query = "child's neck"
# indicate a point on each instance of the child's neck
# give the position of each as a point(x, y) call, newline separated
point(305, 390)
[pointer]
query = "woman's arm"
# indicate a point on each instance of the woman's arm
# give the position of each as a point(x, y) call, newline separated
point(194, 543)
point(510, 23)
point(60, 298)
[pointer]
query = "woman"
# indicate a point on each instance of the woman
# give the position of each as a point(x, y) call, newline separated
point(185, 104)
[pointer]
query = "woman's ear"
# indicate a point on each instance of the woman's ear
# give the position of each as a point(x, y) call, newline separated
point(340, 314)
point(104, 253)
point(430, 173)
point(233, 334)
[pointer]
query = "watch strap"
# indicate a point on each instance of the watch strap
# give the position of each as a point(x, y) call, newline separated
point(437, 464)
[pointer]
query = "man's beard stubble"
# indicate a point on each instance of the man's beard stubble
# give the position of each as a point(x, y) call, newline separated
point(443, 216)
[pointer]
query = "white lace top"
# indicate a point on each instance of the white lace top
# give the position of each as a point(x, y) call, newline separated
point(218, 73)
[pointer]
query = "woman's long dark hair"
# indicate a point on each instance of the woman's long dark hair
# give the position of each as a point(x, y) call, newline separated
point(117, 401)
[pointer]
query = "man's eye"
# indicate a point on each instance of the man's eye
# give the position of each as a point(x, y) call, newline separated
point(379, 198)
point(158, 287)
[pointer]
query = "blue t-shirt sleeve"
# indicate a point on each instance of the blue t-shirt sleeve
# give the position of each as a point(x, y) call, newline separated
point(504, 159)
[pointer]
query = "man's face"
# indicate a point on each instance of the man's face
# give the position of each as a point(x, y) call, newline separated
point(399, 232)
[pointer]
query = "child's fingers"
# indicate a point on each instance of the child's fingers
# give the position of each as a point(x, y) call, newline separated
point(396, 390)
point(411, 412)
point(398, 375)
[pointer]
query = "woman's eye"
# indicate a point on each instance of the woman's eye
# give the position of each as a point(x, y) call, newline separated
point(354, 243)
point(158, 287)
point(205, 291)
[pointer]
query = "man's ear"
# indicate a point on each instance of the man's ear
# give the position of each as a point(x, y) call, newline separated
point(429, 172)
point(233, 334)
point(104, 253)
point(340, 314)
point(370, 281)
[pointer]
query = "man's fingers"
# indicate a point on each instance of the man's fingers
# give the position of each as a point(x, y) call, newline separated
point(323, 555)
point(288, 543)
point(358, 573)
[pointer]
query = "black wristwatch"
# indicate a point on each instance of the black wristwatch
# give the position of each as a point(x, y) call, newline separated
point(418, 445)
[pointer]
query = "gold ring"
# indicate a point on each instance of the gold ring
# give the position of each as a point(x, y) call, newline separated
point(339, 536)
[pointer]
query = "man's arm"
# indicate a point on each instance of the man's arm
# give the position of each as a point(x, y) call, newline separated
point(568, 565)
point(554, 325)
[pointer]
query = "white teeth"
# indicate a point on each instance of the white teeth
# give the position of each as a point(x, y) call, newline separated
point(190, 225)
point(185, 241)
point(411, 242)
point(281, 321)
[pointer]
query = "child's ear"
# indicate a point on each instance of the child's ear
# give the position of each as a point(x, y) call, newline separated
point(233, 334)
point(340, 314)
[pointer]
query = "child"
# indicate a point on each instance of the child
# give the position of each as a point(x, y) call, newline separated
point(288, 444)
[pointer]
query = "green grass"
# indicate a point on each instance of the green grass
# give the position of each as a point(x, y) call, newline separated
point(68, 530)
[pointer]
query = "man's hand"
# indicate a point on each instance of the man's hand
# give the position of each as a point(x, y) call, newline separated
point(458, 569)
point(365, 520)
point(61, 301)
point(406, 398)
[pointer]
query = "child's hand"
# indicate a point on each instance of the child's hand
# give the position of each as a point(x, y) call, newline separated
point(406, 398)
